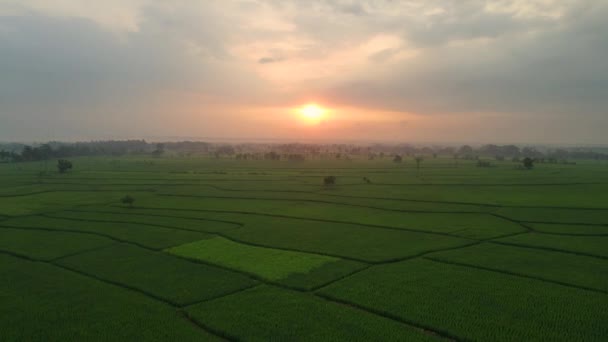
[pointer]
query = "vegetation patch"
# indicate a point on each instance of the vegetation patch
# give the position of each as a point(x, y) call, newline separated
point(476, 304)
point(42, 302)
point(48, 245)
point(176, 280)
point(150, 218)
point(267, 263)
point(575, 270)
point(144, 235)
point(586, 245)
point(267, 313)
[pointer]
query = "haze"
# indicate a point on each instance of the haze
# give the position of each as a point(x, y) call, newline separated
point(440, 70)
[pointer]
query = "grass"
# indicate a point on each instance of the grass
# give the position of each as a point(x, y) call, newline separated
point(570, 229)
point(590, 245)
point(46, 245)
point(264, 251)
point(145, 235)
point(468, 225)
point(42, 302)
point(176, 280)
point(267, 263)
point(575, 270)
point(476, 304)
point(127, 216)
point(267, 313)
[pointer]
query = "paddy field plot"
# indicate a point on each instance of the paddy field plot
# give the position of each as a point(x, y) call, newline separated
point(220, 249)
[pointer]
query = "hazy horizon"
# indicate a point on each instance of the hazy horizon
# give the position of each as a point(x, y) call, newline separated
point(444, 71)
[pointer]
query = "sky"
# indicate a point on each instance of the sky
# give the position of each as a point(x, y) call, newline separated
point(504, 71)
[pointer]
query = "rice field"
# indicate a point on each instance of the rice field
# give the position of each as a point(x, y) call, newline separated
point(220, 249)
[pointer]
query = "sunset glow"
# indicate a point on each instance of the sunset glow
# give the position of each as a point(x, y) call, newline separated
point(312, 113)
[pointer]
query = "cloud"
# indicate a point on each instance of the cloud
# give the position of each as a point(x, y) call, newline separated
point(121, 65)
point(268, 60)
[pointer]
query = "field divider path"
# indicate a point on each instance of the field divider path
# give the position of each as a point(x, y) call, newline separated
point(83, 251)
point(240, 224)
point(424, 328)
point(71, 190)
point(83, 232)
point(515, 274)
point(124, 287)
point(222, 334)
point(219, 333)
point(329, 202)
point(306, 219)
point(208, 233)
point(322, 192)
point(549, 249)
point(479, 204)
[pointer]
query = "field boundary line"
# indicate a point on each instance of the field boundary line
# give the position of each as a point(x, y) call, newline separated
point(424, 328)
point(227, 237)
point(492, 205)
point(240, 224)
point(309, 219)
point(515, 274)
point(105, 281)
point(125, 222)
point(84, 251)
point(72, 190)
point(85, 232)
point(568, 223)
point(329, 202)
point(206, 328)
point(551, 249)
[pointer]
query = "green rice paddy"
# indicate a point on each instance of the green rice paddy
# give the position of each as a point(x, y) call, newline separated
point(220, 249)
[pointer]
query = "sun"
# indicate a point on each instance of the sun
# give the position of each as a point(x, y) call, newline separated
point(312, 112)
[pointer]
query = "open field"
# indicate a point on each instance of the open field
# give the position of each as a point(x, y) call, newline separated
point(220, 249)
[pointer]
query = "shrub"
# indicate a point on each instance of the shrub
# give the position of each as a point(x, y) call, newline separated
point(63, 165)
point(128, 200)
point(329, 180)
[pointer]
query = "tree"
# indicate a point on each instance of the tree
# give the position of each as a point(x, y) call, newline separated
point(128, 200)
point(63, 165)
point(465, 150)
point(398, 159)
point(528, 163)
point(329, 180)
point(418, 159)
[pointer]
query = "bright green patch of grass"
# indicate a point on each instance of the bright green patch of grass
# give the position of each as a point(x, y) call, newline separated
point(268, 263)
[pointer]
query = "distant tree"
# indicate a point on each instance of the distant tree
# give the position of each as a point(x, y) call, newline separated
point(63, 165)
point(160, 149)
point(329, 180)
point(465, 150)
point(128, 200)
point(367, 180)
point(483, 163)
point(528, 163)
point(418, 159)
point(398, 159)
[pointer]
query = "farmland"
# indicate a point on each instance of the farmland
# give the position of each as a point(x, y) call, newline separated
point(224, 249)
